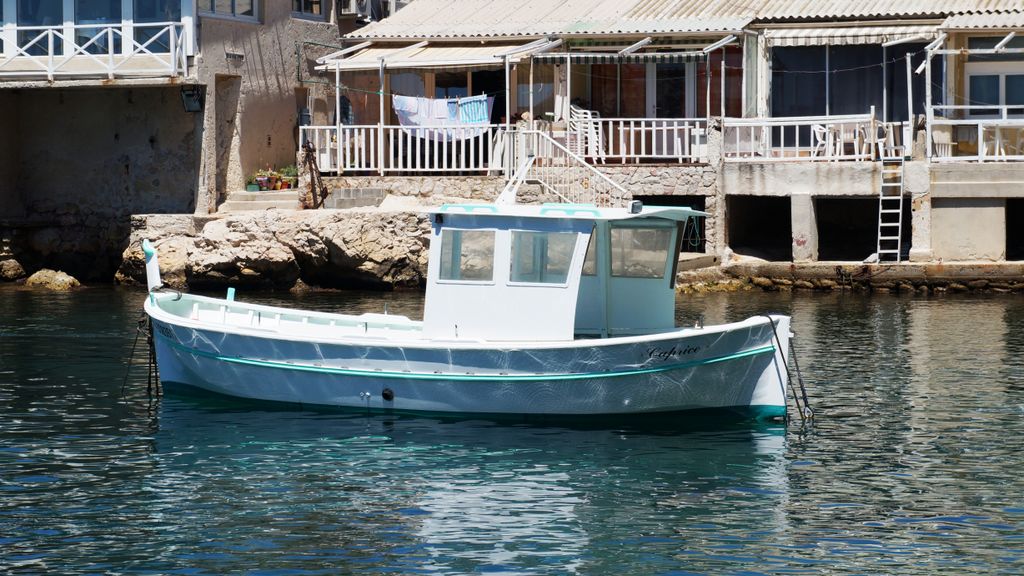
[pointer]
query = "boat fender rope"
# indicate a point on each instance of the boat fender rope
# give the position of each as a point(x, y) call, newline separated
point(804, 410)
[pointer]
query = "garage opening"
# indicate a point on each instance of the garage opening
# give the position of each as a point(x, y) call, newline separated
point(848, 228)
point(1015, 228)
point(760, 226)
point(694, 236)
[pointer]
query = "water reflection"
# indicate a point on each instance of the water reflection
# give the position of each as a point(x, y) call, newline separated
point(912, 465)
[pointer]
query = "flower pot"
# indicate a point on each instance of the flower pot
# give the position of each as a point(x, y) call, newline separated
point(252, 187)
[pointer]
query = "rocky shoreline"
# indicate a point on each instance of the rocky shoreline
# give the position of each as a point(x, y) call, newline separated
point(386, 249)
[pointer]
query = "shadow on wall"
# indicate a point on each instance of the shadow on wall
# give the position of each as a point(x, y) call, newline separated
point(80, 162)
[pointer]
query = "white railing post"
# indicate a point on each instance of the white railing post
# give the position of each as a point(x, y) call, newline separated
point(110, 52)
point(174, 48)
point(49, 54)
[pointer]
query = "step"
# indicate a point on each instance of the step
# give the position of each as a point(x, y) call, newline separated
point(890, 211)
point(290, 195)
point(888, 237)
point(890, 224)
point(234, 206)
point(891, 184)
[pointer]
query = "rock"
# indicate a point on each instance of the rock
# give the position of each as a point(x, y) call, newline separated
point(980, 284)
point(173, 256)
point(957, 287)
point(782, 281)
point(826, 283)
point(762, 282)
point(11, 269)
point(803, 284)
point(243, 253)
point(52, 280)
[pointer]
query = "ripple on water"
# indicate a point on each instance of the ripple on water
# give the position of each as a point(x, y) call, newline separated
point(912, 466)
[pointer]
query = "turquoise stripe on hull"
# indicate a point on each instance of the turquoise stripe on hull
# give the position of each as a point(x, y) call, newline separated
point(466, 377)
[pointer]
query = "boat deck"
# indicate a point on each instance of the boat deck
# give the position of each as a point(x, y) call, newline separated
point(215, 312)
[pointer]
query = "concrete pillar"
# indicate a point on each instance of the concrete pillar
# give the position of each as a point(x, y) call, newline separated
point(917, 183)
point(804, 224)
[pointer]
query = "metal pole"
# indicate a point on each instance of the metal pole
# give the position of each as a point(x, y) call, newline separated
point(568, 85)
point(908, 132)
point(531, 93)
point(721, 95)
point(828, 82)
point(380, 122)
point(508, 119)
point(707, 81)
point(885, 90)
point(929, 112)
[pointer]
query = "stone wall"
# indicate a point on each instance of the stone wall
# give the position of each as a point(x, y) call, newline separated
point(361, 248)
point(254, 95)
point(105, 152)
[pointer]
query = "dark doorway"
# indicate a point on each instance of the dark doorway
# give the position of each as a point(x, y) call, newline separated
point(694, 238)
point(1015, 228)
point(492, 83)
point(760, 226)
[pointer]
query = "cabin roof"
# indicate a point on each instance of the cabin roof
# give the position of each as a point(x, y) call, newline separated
point(569, 211)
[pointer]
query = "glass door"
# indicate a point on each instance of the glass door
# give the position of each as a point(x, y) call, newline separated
point(158, 12)
point(104, 14)
point(40, 13)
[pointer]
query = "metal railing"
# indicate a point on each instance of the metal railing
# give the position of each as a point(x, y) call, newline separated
point(959, 133)
point(623, 140)
point(561, 172)
point(464, 149)
point(857, 137)
point(157, 49)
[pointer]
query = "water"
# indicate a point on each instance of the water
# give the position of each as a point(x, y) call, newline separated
point(913, 465)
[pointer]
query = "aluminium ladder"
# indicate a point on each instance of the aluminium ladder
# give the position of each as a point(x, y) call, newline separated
point(890, 207)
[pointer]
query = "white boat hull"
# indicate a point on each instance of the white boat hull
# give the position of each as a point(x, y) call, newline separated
point(739, 366)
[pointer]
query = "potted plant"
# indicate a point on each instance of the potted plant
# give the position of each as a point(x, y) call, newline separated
point(253, 184)
point(262, 179)
point(289, 176)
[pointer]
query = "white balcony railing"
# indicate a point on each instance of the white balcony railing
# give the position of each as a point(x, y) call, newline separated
point(976, 133)
point(90, 50)
point(464, 149)
point(623, 140)
point(856, 137)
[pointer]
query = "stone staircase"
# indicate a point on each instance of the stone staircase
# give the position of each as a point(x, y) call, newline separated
point(339, 198)
point(267, 200)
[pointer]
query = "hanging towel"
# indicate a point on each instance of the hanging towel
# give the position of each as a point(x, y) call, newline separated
point(475, 109)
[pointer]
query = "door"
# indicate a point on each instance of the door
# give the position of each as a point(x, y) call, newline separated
point(670, 95)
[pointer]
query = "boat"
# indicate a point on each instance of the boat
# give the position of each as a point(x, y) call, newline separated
point(550, 311)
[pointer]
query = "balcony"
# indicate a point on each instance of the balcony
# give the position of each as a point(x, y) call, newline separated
point(94, 51)
point(976, 133)
point(852, 137)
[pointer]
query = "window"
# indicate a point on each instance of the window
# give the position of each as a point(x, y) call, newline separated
point(102, 13)
point(640, 252)
point(590, 260)
point(39, 13)
point(157, 13)
point(235, 8)
point(542, 257)
point(308, 7)
point(451, 85)
point(994, 80)
point(467, 255)
point(543, 89)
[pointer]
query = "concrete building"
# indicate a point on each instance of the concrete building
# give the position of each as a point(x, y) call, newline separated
point(883, 130)
point(110, 108)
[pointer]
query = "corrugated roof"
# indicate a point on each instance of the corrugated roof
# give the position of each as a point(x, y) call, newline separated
point(426, 57)
point(535, 18)
point(985, 21)
point(848, 9)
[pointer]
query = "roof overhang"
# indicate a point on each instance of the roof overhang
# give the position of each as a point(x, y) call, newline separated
point(425, 55)
point(888, 35)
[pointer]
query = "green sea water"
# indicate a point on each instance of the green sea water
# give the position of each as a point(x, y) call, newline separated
point(913, 465)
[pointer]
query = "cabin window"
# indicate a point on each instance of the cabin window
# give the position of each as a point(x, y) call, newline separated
point(542, 257)
point(590, 260)
point(640, 252)
point(467, 255)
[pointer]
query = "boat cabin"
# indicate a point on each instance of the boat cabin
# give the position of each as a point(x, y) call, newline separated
point(552, 272)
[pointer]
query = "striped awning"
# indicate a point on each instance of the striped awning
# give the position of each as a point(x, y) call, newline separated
point(847, 35)
point(616, 58)
point(435, 57)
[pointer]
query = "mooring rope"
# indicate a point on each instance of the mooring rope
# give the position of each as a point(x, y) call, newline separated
point(805, 410)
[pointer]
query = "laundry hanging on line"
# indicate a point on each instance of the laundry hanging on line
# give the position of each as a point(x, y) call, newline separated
point(443, 118)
